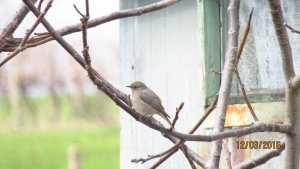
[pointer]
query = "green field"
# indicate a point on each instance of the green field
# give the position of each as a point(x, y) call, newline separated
point(48, 149)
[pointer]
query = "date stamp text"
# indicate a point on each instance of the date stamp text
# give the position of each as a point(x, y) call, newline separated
point(258, 144)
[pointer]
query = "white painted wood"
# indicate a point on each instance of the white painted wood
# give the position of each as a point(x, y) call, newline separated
point(163, 50)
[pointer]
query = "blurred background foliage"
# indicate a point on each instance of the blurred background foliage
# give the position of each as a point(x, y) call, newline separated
point(41, 116)
point(48, 104)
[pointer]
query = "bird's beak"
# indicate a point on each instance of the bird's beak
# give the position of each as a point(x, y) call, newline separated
point(128, 86)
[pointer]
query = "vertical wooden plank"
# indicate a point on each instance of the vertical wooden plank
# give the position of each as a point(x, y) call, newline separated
point(127, 48)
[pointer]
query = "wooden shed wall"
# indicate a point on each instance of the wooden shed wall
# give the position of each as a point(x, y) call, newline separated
point(162, 50)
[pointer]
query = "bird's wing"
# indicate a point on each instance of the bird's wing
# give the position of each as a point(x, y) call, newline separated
point(149, 97)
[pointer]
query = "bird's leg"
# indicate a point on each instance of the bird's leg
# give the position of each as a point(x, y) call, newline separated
point(150, 116)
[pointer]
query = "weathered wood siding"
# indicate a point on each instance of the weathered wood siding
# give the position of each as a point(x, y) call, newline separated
point(162, 50)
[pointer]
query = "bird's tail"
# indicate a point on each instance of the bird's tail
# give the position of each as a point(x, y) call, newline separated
point(167, 119)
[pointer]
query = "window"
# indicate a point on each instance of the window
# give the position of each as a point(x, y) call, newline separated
point(260, 64)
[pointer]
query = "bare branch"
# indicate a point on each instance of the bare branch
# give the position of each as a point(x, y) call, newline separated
point(244, 38)
point(44, 38)
point(150, 157)
point(239, 53)
point(88, 67)
point(176, 115)
point(13, 24)
point(292, 29)
point(27, 35)
point(227, 153)
point(187, 156)
point(256, 127)
point(194, 156)
point(227, 74)
point(75, 55)
point(283, 39)
point(291, 95)
point(261, 159)
point(40, 5)
point(77, 10)
point(208, 110)
point(245, 97)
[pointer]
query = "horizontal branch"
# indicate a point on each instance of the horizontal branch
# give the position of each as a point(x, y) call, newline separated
point(260, 159)
point(44, 38)
point(255, 128)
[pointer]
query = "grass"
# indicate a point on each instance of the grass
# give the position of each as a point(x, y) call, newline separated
point(48, 149)
point(97, 139)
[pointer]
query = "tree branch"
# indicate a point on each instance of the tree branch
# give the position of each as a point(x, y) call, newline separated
point(208, 110)
point(227, 153)
point(150, 157)
point(292, 29)
point(44, 38)
point(176, 115)
point(291, 95)
point(245, 97)
point(13, 24)
point(256, 127)
point(239, 53)
point(21, 47)
point(224, 92)
point(283, 39)
point(74, 54)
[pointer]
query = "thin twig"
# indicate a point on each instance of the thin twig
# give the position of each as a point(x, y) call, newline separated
point(40, 5)
point(27, 35)
point(185, 153)
point(239, 53)
point(208, 110)
point(244, 38)
point(216, 72)
point(176, 115)
point(77, 10)
point(292, 29)
point(108, 88)
point(245, 96)
point(150, 157)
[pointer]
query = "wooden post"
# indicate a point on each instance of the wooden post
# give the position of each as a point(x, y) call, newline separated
point(74, 157)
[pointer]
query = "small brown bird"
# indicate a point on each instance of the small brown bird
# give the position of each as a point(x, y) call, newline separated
point(146, 102)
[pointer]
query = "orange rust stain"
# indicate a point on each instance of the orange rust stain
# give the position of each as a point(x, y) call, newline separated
point(235, 115)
